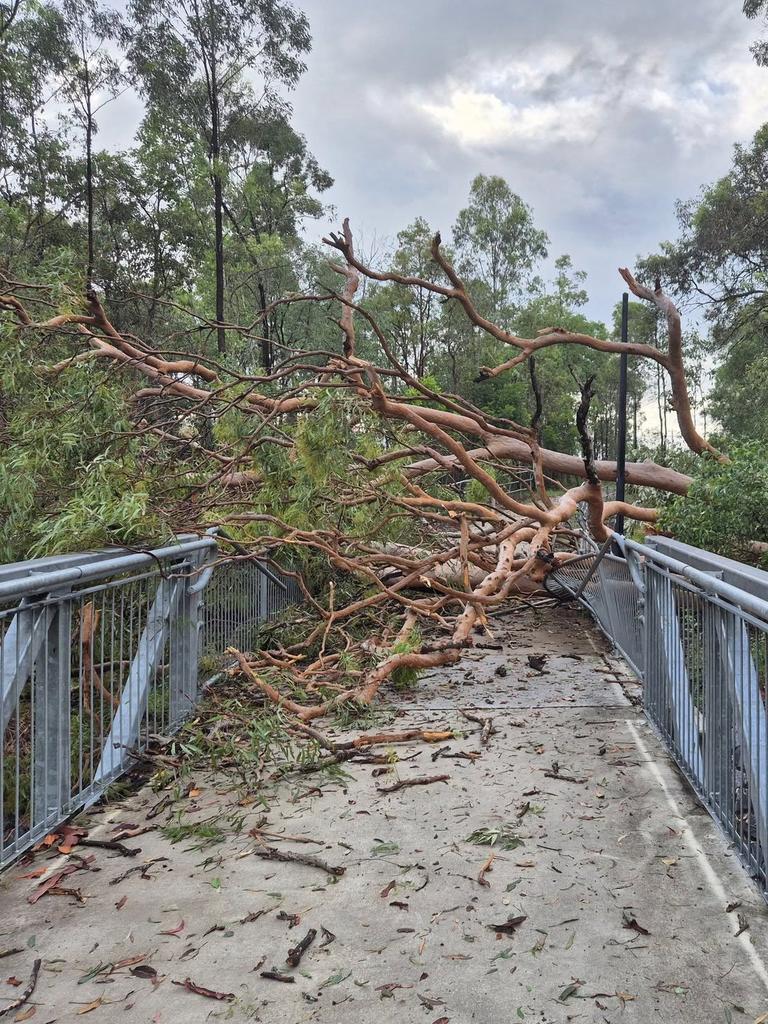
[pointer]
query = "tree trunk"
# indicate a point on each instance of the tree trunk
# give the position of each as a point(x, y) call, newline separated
point(89, 175)
point(218, 203)
point(266, 341)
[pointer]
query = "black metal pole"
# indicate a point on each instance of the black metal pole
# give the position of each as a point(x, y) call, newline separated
point(621, 440)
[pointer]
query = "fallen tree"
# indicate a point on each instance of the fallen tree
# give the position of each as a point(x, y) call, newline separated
point(346, 469)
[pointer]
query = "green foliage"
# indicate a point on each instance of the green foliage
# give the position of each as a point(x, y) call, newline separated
point(504, 836)
point(405, 678)
point(741, 384)
point(720, 262)
point(498, 244)
point(725, 508)
point(68, 477)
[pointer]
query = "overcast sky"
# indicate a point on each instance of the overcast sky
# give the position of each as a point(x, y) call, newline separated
point(599, 113)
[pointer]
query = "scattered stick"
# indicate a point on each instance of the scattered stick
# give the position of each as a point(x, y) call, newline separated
point(253, 916)
point(564, 778)
point(486, 725)
point(426, 735)
point(488, 866)
point(131, 833)
point(111, 844)
point(459, 755)
point(371, 739)
point(139, 869)
point(10, 952)
point(199, 990)
point(160, 806)
point(277, 976)
point(271, 853)
point(257, 833)
point(27, 991)
point(297, 952)
point(292, 919)
point(403, 783)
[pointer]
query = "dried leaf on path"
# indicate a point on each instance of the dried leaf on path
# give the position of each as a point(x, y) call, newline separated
point(90, 1006)
point(174, 931)
point(510, 926)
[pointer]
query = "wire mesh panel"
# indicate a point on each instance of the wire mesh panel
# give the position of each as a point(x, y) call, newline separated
point(608, 585)
point(94, 660)
point(240, 596)
point(100, 653)
point(700, 644)
point(706, 679)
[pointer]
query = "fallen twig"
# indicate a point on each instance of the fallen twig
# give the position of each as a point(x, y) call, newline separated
point(199, 990)
point(371, 739)
point(271, 853)
point(487, 866)
point(160, 806)
point(111, 844)
point(510, 926)
point(257, 833)
point(564, 778)
point(277, 976)
point(27, 991)
point(458, 755)
point(403, 783)
point(486, 725)
point(139, 869)
point(297, 952)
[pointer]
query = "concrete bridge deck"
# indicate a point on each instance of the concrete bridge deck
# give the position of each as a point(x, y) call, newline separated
point(627, 899)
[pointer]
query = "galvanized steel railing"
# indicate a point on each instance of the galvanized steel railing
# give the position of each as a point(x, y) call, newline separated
point(699, 641)
point(101, 651)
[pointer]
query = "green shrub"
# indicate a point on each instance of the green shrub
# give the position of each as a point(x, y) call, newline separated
point(726, 507)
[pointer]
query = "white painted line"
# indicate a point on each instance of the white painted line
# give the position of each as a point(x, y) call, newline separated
point(714, 883)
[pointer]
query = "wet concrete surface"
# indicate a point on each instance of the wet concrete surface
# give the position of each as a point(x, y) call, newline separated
point(621, 879)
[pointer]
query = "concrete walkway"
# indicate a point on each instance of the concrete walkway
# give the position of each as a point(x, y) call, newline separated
point(620, 883)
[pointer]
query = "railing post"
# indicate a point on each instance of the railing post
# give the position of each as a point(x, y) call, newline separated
point(263, 597)
point(18, 652)
point(743, 686)
point(51, 718)
point(667, 655)
point(126, 725)
point(186, 631)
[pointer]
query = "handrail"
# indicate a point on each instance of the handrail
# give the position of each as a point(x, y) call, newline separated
point(705, 581)
point(219, 531)
point(38, 582)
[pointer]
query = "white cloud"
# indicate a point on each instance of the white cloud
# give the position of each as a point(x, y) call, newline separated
point(476, 118)
point(564, 96)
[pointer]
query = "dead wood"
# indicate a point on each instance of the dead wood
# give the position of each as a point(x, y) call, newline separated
point(487, 728)
point(271, 853)
point(469, 557)
point(27, 991)
point(297, 952)
point(404, 783)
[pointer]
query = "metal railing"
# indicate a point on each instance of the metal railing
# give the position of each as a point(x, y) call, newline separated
point(697, 635)
point(101, 651)
point(239, 600)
